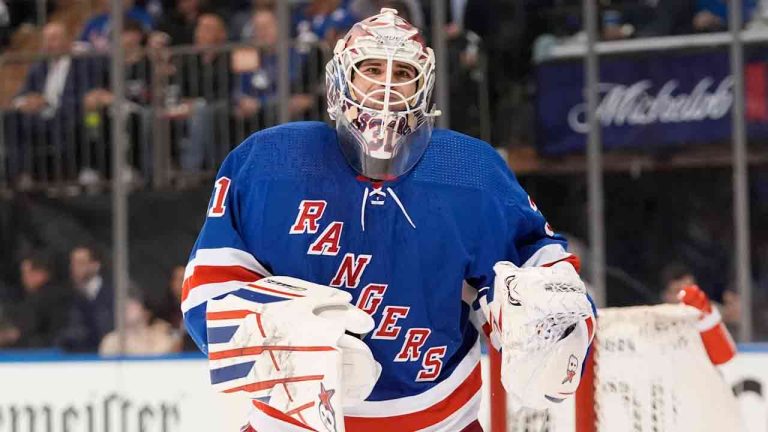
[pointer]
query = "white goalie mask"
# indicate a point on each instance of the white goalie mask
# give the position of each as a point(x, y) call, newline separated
point(382, 117)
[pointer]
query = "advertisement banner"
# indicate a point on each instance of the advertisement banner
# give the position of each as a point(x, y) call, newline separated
point(748, 376)
point(171, 395)
point(114, 396)
point(649, 100)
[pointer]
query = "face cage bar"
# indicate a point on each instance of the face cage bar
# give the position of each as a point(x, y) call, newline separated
point(424, 72)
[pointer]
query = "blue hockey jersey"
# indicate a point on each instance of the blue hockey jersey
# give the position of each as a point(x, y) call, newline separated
point(414, 252)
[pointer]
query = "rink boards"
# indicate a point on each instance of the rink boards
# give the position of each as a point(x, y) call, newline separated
point(48, 393)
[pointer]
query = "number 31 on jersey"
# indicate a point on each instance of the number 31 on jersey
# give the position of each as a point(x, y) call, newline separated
point(219, 197)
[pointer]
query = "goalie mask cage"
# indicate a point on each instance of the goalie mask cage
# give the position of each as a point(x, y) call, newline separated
point(648, 372)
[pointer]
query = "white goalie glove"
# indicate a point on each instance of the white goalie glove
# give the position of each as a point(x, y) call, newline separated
point(294, 353)
point(543, 322)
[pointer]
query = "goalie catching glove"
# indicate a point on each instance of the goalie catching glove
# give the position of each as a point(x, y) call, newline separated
point(295, 354)
point(543, 323)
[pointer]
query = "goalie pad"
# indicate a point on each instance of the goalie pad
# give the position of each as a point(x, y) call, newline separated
point(295, 354)
point(543, 322)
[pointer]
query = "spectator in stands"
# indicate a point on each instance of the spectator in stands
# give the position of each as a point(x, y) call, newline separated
point(670, 17)
point(35, 321)
point(144, 333)
point(469, 69)
point(170, 308)
point(9, 334)
point(620, 20)
point(257, 91)
point(759, 309)
point(325, 20)
point(157, 8)
point(137, 91)
point(240, 23)
point(46, 108)
point(487, 18)
point(91, 315)
point(177, 27)
point(199, 93)
point(16, 13)
point(47, 84)
point(5, 24)
point(712, 15)
point(137, 73)
point(408, 9)
point(674, 277)
point(731, 310)
point(96, 30)
point(466, 80)
point(676, 17)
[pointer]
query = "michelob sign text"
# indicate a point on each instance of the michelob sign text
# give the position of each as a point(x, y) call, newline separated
point(649, 100)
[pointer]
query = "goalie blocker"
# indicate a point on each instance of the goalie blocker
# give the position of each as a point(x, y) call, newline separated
point(295, 358)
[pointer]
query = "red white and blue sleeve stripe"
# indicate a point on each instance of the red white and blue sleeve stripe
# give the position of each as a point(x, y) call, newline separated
point(215, 273)
point(221, 263)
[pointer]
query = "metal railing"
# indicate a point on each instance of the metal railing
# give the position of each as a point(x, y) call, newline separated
point(186, 108)
point(166, 118)
point(592, 51)
point(660, 43)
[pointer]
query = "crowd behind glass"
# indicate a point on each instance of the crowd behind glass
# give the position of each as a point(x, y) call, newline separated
point(200, 77)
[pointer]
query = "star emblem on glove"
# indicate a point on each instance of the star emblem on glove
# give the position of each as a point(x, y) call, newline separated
point(325, 397)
